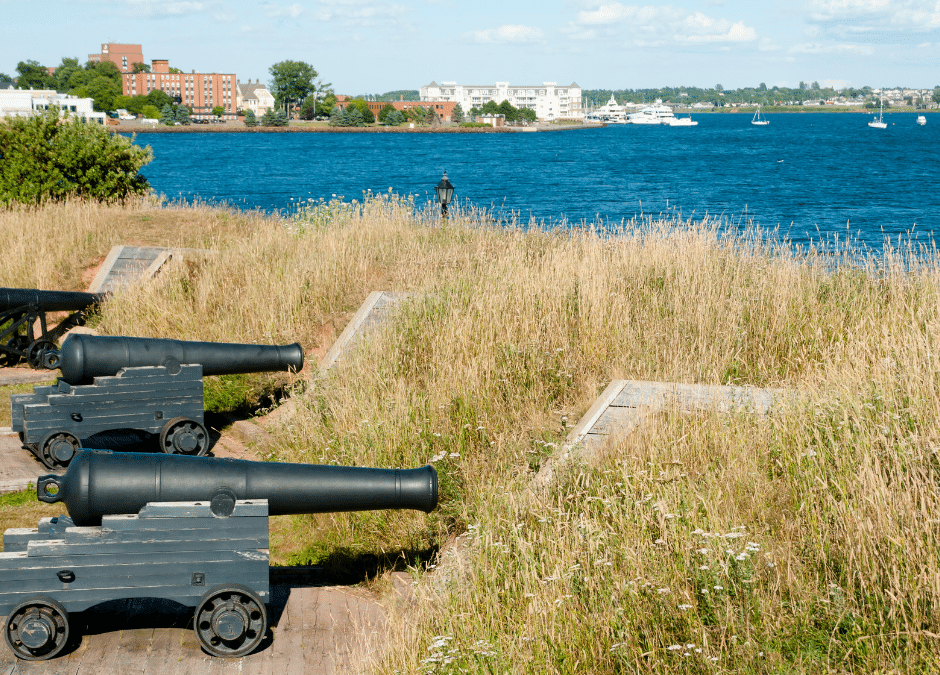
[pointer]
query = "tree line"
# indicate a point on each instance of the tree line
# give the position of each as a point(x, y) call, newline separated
point(719, 96)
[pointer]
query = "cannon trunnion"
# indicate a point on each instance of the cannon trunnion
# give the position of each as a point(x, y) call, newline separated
point(112, 383)
point(192, 530)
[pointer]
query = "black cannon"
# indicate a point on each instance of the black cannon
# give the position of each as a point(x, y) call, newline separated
point(21, 308)
point(151, 385)
point(191, 530)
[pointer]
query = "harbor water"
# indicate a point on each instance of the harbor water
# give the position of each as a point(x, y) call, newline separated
point(807, 177)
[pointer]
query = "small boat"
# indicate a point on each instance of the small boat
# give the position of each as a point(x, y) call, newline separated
point(878, 122)
point(759, 121)
point(921, 120)
point(682, 121)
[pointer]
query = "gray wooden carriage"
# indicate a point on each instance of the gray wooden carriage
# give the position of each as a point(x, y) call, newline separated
point(189, 529)
point(117, 383)
point(179, 551)
point(54, 420)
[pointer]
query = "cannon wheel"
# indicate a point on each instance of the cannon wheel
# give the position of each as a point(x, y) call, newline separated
point(19, 343)
point(36, 351)
point(183, 436)
point(230, 621)
point(37, 629)
point(58, 448)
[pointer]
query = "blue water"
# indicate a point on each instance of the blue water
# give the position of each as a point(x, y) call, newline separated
point(809, 176)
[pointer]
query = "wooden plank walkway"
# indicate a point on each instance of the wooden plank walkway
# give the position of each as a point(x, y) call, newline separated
point(377, 308)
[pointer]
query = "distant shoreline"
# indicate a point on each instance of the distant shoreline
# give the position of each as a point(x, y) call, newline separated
point(303, 129)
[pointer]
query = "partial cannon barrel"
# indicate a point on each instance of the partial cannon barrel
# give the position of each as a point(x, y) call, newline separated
point(100, 483)
point(84, 357)
point(47, 301)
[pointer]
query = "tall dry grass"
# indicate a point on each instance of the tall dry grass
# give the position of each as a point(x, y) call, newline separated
point(803, 542)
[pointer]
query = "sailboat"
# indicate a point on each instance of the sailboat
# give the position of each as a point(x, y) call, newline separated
point(878, 122)
point(757, 120)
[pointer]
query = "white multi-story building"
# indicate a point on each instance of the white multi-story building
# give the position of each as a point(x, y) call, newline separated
point(548, 100)
point(28, 102)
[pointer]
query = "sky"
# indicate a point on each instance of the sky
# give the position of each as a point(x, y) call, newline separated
point(372, 46)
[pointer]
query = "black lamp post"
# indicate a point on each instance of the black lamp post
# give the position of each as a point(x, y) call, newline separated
point(445, 192)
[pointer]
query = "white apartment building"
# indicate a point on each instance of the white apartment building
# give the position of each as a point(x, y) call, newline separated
point(548, 100)
point(28, 102)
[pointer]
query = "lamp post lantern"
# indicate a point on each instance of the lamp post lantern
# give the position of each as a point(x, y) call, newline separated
point(445, 192)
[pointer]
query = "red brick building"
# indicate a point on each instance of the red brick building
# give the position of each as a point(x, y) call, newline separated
point(444, 110)
point(121, 55)
point(200, 92)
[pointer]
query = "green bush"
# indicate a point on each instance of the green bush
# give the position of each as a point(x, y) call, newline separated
point(45, 158)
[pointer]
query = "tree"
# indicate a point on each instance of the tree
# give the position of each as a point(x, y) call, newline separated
point(291, 81)
point(63, 73)
point(457, 114)
point(490, 108)
point(394, 118)
point(308, 110)
point(218, 111)
point(103, 91)
point(141, 68)
point(355, 117)
point(250, 119)
point(814, 86)
point(338, 117)
point(528, 115)
point(508, 110)
point(5, 78)
point(936, 95)
point(159, 98)
point(385, 112)
point(149, 112)
point(326, 104)
point(280, 119)
point(167, 116)
point(32, 75)
point(363, 108)
point(182, 115)
point(47, 160)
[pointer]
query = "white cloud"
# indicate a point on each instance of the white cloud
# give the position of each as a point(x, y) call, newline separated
point(876, 15)
point(276, 11)
point(160, 8)
point(508, 34)
point(843, 49)
point(656, 26)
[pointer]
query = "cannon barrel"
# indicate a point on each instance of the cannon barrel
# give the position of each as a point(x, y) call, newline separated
point(83, 357)
point(47, 301)
point(100, 483)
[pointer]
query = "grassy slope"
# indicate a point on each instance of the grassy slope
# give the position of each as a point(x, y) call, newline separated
point(806, 542)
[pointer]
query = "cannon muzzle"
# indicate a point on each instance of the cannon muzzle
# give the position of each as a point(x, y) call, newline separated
point(84, 357)
point(47, 301)
point(100, 483)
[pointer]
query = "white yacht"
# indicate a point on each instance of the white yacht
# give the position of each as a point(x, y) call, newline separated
point(921, 120)
point(878, 122)
point(759, 121)
point(609, 113)
point(652, 114)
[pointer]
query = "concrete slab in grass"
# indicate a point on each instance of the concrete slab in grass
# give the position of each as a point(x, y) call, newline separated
point(377, 308)
point(624, 405)
point(129, 264)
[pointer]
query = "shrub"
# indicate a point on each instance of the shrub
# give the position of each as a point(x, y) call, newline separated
point(44, 158)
